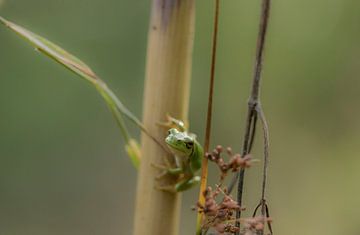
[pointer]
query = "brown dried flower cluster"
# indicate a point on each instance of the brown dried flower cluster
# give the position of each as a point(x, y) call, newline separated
point(219, 216)
point(254, 225)
point(236, 161)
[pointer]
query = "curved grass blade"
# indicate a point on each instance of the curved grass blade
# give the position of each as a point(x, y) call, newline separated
point(53, 51)
point(83, 70)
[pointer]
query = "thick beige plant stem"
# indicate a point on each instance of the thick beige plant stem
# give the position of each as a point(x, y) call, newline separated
point(168, 72)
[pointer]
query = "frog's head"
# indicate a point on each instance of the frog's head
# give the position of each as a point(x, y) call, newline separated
point(179, 142)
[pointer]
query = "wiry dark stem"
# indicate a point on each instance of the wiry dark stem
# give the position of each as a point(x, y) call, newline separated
point(266, 148)
point(264, 211)
point(254, 110)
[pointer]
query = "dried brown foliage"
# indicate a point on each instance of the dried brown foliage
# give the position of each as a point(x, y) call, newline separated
point(234, 164)
point(219, 213)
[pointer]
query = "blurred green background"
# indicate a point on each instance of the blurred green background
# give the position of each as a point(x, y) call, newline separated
point(63, 169)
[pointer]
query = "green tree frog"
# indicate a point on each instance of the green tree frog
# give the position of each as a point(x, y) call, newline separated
point(188, 156)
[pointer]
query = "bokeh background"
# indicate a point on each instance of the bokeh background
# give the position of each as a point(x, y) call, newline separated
point(63, 169)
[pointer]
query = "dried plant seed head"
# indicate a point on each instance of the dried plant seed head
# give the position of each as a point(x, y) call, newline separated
point(259, 226)
point(219, 212)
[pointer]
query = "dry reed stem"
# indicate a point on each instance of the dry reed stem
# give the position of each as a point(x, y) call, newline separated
point(168, 72)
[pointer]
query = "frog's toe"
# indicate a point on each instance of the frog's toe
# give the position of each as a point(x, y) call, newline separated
point(166, 188)
point(161, 175)
point(158, 166)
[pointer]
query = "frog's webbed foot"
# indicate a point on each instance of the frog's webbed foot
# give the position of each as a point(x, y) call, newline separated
point(167, 169)
point(165, 172)
point(172, 123)
point(175, 174)
point(162, 168)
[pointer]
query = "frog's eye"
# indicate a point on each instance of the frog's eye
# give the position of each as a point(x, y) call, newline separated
point(189, 145)
point(169, 132)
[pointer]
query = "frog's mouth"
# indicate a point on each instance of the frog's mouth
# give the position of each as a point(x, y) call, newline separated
point(173, 146)
point(175, 149)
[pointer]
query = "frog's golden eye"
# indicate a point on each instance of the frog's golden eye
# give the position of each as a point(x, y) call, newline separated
point(189, 145)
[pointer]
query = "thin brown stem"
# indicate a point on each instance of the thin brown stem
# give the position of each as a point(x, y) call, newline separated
point(212, 79)
point(204, 171)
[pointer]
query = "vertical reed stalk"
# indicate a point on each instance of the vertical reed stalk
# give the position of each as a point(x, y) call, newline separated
point(168, 71)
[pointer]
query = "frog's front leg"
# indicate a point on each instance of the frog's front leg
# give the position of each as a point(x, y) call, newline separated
point(187, 183)
point(168, 171)
point(175, 171)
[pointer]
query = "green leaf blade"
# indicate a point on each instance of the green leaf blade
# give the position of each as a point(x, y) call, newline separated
point(53, 51)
